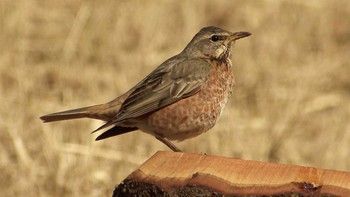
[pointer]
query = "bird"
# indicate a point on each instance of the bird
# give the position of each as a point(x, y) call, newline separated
point(180, 99)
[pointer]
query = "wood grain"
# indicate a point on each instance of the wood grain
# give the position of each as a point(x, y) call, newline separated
point(172, 174)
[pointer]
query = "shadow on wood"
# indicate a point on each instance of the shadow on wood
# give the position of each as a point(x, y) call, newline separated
point(187, 174)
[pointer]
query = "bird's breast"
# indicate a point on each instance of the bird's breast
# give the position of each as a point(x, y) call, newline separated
point(196, 114)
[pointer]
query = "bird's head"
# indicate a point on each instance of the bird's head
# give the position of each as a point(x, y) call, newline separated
point(213, 43)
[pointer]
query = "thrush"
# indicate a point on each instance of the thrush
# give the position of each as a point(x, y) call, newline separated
point(180, 99)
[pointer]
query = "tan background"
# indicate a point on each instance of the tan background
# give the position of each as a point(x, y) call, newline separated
point(291, 103)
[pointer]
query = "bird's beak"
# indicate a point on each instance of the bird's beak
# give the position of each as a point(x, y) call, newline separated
point(239, 35)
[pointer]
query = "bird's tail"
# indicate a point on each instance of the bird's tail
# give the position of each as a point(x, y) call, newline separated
point(97, 112)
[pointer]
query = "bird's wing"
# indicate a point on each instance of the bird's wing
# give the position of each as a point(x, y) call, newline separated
point(165, 86)
point(170, 82)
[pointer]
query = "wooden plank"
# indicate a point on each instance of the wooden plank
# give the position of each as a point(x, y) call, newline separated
point(170, 173)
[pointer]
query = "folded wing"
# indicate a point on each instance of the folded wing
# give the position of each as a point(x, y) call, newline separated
point(164, 86)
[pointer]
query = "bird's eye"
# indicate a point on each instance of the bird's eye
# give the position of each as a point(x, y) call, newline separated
point(214, 38)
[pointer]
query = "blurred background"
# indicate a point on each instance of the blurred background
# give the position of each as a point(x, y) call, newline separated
point(291, 103)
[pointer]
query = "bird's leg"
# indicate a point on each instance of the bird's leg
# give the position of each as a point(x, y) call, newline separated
point(168, 143)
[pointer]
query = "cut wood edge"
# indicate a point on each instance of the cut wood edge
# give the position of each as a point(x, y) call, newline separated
point(193, 174)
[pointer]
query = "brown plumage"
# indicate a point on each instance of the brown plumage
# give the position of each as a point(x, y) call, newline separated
point(180, 99)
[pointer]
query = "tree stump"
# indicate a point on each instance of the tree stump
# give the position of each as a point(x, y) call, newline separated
point(187, 174)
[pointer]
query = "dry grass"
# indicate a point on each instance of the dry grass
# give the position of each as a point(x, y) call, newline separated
point(291, 103)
